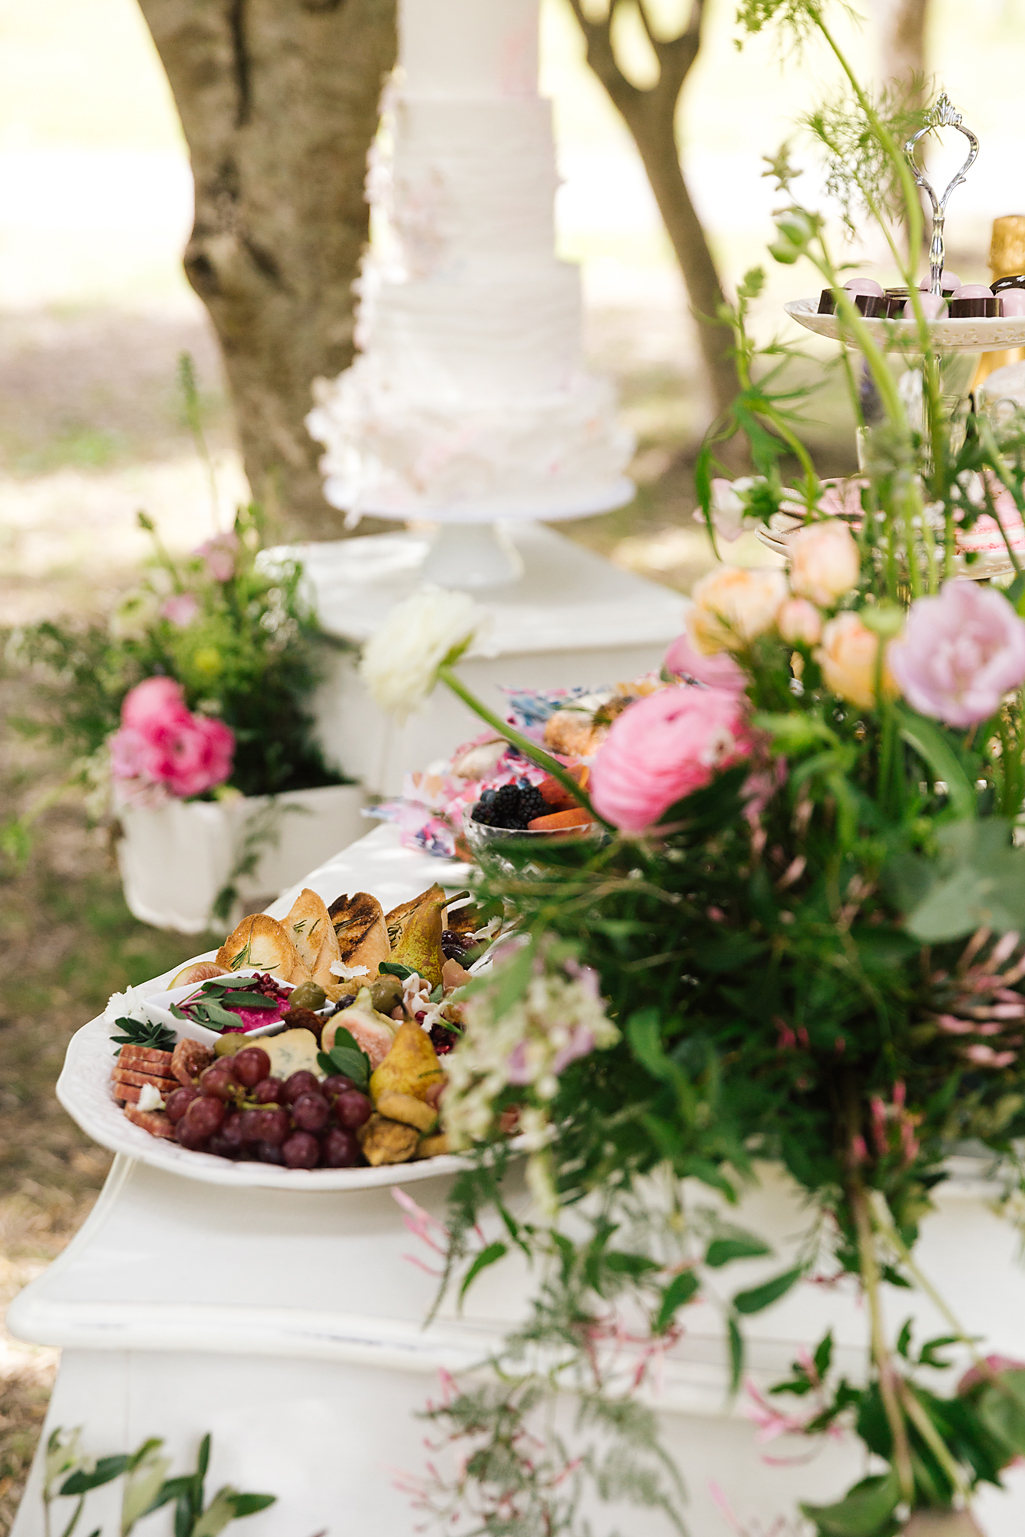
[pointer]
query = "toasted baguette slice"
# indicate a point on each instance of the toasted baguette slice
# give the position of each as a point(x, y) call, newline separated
point(311, 931)
point(361, 931)
point(261, 943)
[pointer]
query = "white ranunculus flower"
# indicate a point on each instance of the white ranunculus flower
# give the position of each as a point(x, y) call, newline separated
point(400, 663)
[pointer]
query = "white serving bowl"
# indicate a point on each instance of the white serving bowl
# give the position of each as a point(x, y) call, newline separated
point(158, 1008)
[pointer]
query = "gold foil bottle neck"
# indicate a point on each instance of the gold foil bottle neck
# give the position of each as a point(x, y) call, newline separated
point(1007, 249)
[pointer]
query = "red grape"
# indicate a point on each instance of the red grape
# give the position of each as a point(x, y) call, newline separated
point(267, 1153)
point(300, 1083)
point(251, 1125)
point(191, 1136)
point(232, 1132)
point(204, 1116)
point(339, 1149)
point(301, 1151)
point(353, 1109)
point(252, 1065)
point(268, 1091)
point(179, 1101)
point(336, 1083)
point(311, 1112)
point(218, 1079)
point(220, 1146)
point(274, 1126)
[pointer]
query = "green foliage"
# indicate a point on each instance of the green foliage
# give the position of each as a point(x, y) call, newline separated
point(69, 1474)
point(252, 654)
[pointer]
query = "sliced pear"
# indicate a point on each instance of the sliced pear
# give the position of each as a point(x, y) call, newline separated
point(414, 931)
point(410, 1067)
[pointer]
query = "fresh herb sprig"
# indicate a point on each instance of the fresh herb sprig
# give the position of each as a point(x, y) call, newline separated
point(143, 1032)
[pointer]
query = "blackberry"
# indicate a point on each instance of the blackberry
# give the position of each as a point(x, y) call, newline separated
point(511, 807)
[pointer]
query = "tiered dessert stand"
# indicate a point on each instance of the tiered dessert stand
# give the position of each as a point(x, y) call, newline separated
point(958, 342)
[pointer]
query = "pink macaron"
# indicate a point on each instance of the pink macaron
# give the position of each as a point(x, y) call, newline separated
point(864, 286)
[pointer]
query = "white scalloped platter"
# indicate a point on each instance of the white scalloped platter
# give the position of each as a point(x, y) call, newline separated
point(84, 1089)
point(947, 335)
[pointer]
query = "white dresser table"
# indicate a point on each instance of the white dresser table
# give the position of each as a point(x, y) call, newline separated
point(283, 1316)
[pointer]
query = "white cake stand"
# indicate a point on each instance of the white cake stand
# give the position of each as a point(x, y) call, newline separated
point(472, 550)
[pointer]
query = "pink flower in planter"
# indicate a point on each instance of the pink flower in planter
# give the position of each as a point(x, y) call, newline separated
point(219, 554)
point(664, 747)
point(180, 608)
point(960, 653)
point(162, 744)
point(718, 671)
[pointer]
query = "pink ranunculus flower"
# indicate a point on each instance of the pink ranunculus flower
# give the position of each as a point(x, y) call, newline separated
point(180, 608)
point(219, 554)
point(960, 653)
point(663, 748)
point(153, 706)
point(719, 671)
point(162, 745)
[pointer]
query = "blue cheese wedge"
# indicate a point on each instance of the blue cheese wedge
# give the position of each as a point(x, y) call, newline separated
point(293, 1051)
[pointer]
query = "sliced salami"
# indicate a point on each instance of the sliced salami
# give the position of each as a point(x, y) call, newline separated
point(153, 1121)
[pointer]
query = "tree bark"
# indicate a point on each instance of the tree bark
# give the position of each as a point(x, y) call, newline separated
point(902, 28)
point(279, 105)
point(650, 115)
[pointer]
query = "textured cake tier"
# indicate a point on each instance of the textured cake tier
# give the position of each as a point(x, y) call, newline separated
point(491, 335)
point(467, 180)
point(469, 48)
point(394, 454)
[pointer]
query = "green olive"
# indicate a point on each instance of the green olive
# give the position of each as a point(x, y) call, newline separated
point(229, 1044)
point(307, 996)
point(386, 993)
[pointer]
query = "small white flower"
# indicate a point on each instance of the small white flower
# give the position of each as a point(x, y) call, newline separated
point(127, 1005)
point(400, 663)
point(150, 1097)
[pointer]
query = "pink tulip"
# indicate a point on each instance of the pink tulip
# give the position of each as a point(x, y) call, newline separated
point(960, 653)
point(663, 748)
point(718, 671)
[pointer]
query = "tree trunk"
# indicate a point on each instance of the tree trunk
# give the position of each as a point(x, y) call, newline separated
point(650, 115)
point(902, 25)
point(279, 105)
point(661, 160)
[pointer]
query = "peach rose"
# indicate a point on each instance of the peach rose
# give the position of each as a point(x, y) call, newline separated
point(848, 657)
point(732, 605)
point(824, 562)
point(799, 620)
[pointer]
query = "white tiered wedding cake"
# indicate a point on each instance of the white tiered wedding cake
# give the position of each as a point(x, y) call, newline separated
point(469, 400)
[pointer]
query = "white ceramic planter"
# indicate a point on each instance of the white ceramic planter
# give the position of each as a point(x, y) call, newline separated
point(174, 859)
